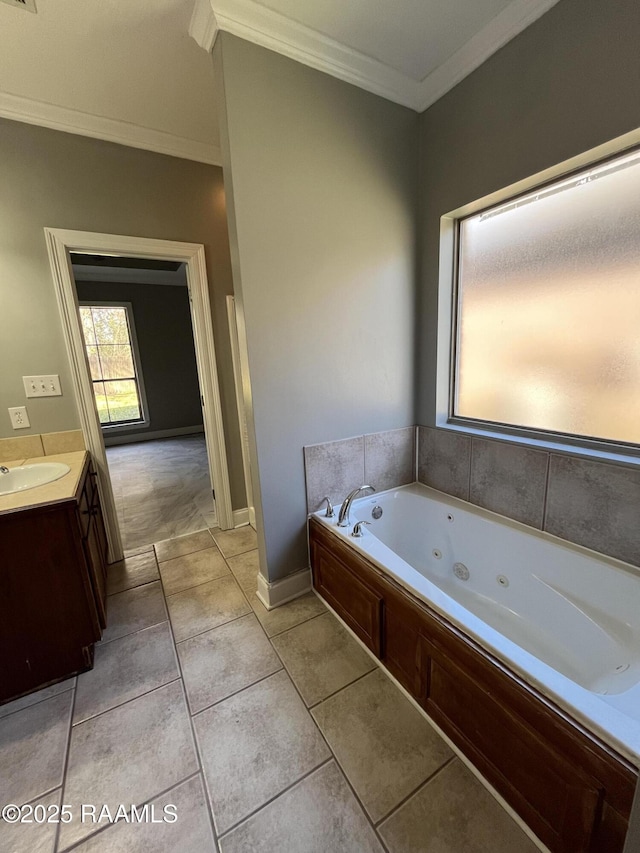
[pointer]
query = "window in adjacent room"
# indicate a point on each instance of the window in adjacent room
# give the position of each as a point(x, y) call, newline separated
point(547, 320)
point(113, 363)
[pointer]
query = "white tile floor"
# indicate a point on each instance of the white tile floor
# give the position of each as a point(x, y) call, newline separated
point(267, 731)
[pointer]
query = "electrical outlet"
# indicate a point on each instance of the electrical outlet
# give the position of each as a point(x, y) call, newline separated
point(19, 417)
point(42, 386)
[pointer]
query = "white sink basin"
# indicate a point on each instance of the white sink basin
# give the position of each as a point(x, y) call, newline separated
point(30, 476)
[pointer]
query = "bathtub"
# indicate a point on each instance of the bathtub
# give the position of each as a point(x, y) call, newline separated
point(565, 618)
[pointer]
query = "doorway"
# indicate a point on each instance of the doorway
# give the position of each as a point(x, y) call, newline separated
point(136, 322)
point(102, 399)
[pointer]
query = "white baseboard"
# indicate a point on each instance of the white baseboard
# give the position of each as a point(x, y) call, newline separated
point(286, 589)
point(131, 438)
point(241, 517)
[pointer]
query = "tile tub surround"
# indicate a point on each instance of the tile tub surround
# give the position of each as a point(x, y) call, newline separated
point(588, 502)
point(382, 459)
point(125, 732)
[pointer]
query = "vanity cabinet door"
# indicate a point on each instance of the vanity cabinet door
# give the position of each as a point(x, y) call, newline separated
point(48, 621)
point(95, 565)
point(94, 543)
point(99, 520)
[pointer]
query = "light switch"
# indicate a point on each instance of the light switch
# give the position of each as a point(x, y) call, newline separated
point(42, 386)
point(19, 417)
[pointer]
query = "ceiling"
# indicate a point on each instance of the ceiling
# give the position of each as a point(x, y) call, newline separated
point(129, 72)
point(413, 36)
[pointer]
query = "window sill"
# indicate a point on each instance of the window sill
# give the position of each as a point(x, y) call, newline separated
point(115, 428)
point(536, 441)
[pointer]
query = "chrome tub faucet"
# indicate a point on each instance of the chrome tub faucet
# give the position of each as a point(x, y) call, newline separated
point(343, 516)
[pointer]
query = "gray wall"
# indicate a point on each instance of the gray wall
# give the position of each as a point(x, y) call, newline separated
point(61, 180)
point(321, 180)
point(567, 83)
point(162, 322)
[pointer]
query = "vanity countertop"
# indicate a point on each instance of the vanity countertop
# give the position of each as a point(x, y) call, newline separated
point(63, 489)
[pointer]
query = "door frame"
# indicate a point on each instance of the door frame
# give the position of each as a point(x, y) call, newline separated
point(242, 417)
point(60, 244)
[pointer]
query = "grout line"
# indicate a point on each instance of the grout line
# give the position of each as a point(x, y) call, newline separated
point(194, 735)
point(237, 692)
point(340, 689)
point(201, 583)
point(471, 442)
point(65, 766)
point(275, 797)
point(240, 553)
point(44, 794)
point(139, 586)
point(422, 785)
point(322, 735)
point(103, 643)
point(303, 622)
point(39, 702)
point(212, 628)
point(545, 500)
point(107, 825)
point(342, 769)
point(186, 553)
point(126, 702)
point(129, 588)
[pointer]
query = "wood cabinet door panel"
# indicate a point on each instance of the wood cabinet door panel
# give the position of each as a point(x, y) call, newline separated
point(402, 623)
point(359, 606)
point(47, 614)
point(556, 798)
point(95, 566)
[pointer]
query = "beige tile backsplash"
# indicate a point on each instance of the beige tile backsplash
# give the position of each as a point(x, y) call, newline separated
point(63, 442)
point(30, 446)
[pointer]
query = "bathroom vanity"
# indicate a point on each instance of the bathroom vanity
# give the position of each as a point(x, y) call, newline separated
point(52, 579)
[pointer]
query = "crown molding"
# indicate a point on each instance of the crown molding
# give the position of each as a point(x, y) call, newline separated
point(260, 25)
point(516, 17)
point(203, 26)
point(55, 117)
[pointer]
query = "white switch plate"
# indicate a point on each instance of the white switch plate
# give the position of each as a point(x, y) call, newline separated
point(42, 386)
point(19, 417)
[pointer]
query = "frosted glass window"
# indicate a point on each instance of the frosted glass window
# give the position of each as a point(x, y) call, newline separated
point(548, 317)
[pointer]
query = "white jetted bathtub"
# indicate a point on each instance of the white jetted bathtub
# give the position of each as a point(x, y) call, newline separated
point(565, 618)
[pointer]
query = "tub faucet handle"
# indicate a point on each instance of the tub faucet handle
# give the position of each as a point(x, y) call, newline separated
point(357, 528)
point(343, 516)
point(329, 512)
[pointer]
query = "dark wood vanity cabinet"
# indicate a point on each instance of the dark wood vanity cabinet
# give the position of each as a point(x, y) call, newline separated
point(52, 589)
point(573, 790)
point(94, 541)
